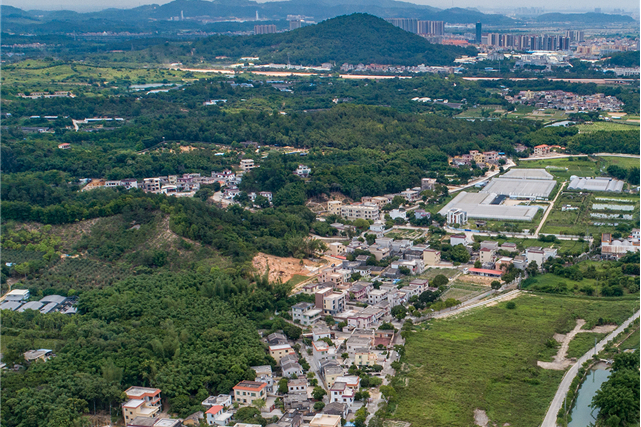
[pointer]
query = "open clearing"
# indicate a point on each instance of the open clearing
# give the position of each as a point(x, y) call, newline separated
point(487, 361)
point(283, 268)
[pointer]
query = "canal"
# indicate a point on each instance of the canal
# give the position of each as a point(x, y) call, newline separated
point(582, 414)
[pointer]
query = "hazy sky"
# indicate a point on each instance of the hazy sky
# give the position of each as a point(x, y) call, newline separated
point(92, 5)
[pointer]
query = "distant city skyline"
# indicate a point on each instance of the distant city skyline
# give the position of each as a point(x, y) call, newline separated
point(497, 5)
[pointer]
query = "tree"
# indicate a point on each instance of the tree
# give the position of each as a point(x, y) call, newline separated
point(318, 393)
point(460, 254)
point(477, 264)
point(282, 385)
point(292, 332)
point(618, 397)
point(329, 320)
point(404, 270)
point(318, 406)
point(386, 326)
point(511, 305)
point(532, 269)
point(495, 284)
point(247, 414)
point(440, 280)
point(399, 312)
point(259, 404)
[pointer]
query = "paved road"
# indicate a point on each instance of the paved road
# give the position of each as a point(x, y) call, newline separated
point(564, 387)
point(547, 212)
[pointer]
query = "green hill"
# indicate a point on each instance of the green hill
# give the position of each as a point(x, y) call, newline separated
point(356, 38)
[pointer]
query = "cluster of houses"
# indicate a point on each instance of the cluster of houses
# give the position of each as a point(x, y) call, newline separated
point(358, 304)
point(486, 158)
point(414, 257)
point(493, 264)
point(567, 101)
point(293, 408)
point(369, 207)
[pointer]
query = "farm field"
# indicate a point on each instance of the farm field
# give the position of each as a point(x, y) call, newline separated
point(463, 291)
point(605, 126)
point(487, 360)
point(431, 273)
point(529, 112)
point(563, 246)
point(580, 221)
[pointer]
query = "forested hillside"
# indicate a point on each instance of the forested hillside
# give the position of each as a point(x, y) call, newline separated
point(190, 335)
point(357, 38)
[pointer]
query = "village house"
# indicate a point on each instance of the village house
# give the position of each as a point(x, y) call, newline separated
point(297, 385)
point(279, 351)
point(325, 420)
point(305, 313)
point(458, 239)
point(541, 150)
point(245, 392)
point(142, 402)
point(276, 338)
point(302, 171)
point(431, 257)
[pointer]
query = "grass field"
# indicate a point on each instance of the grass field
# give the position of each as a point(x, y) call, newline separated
point(487, 360)
point(582, 343)
point(606, 126)
point(632, 342)
point(564, 167)
point(296, 279)
point(42, 74)
point(624, 162)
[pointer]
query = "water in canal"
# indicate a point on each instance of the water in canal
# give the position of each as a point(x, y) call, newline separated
point(582, 414)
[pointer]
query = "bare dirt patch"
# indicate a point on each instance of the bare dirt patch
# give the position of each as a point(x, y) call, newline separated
point(560, 362)
point(188, 148)
point(283, 268)
point(481, 418)
point(477, 280)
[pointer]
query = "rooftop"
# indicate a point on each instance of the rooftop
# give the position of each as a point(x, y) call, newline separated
point(325, 420)
point(280, 347)
point(528, 173)
point(249, 385)
point(477, 205)
point(214, 410)
point(138, 392)
point(133, 403)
